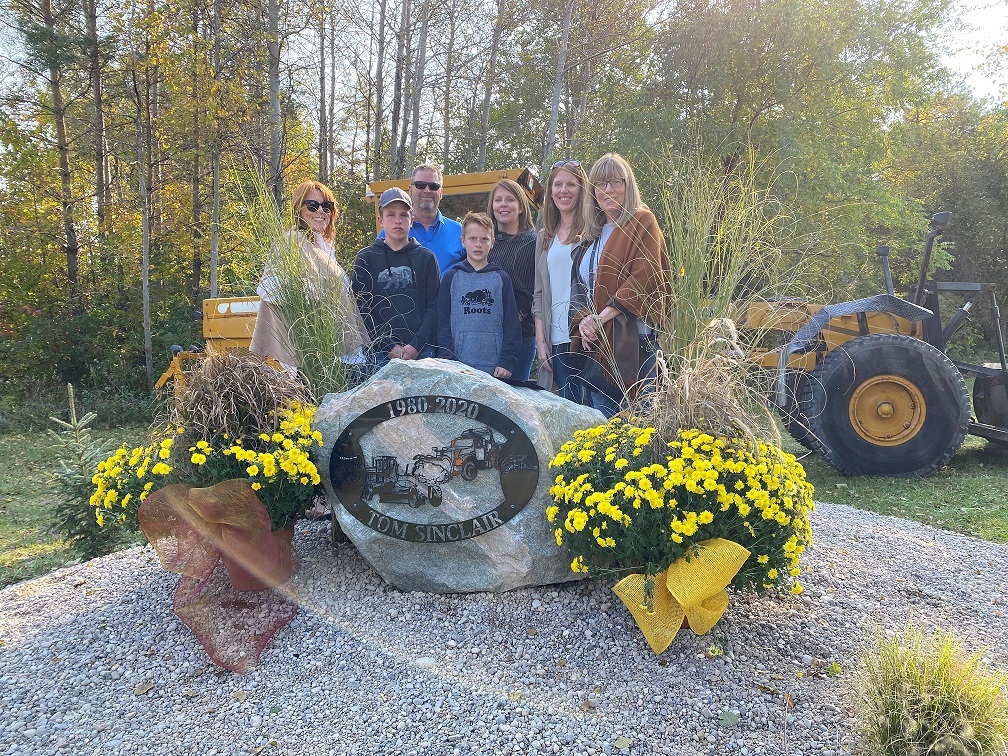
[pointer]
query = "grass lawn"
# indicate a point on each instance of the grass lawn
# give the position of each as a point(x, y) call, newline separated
point(969, 496)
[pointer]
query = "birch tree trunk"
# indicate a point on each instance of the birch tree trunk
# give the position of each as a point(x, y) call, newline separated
point(102, 198)
point(376, 172)
point(276, 137)
point(331, 131)
point(449, 62)
point(216, 151)
point(558, 86)
point(144, 227)
point(323, 132)
point(418, 80)
point(397, 91)
point(63, 150)
point(197, 201)
point(488, 92)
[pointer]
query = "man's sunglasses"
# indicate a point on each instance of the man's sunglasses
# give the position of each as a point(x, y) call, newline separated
point(432, 185)
point(314, 205)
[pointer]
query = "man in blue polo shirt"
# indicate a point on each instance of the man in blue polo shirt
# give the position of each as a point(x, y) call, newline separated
point(430, 228)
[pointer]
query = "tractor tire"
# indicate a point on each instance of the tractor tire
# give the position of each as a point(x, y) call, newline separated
point(794, 419)
point(469, 469)
point(886, 404)
point(990, 402)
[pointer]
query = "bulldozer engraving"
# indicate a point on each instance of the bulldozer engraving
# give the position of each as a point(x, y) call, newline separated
point(419, 483)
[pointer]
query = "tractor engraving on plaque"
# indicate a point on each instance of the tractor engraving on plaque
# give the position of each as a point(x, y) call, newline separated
point(481, 450)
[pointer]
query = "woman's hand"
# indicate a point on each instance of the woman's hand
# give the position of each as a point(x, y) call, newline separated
point(500, 372)
point(544, 354)
point(589, 329)
point(590, 326)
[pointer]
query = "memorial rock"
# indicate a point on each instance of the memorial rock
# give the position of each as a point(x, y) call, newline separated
point(438, 474)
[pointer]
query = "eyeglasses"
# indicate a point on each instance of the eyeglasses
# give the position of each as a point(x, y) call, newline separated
point(314, 205)
point(562, 163)
point(615, 183)
point(432, 185)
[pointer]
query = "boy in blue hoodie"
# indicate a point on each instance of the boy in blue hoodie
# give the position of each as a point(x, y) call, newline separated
point(478, 320)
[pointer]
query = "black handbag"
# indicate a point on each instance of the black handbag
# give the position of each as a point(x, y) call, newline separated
point(596, 377)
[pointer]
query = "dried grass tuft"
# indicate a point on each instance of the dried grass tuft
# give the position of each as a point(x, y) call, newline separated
point(704, 387)
point(237, 393)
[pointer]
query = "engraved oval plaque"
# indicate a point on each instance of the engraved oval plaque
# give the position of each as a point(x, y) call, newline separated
point(480, 442)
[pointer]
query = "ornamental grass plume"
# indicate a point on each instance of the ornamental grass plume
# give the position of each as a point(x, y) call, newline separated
point(727, 234)
point(926, 695)
point(311, 303)
point(235, 393)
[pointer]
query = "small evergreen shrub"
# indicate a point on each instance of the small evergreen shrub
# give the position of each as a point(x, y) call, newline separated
point(926, 695)
point(78, 454)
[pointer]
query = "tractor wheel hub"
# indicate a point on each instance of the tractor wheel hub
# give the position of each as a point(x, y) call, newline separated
point(887, 410)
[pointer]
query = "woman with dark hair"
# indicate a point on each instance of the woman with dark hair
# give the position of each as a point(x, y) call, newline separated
point(315, 211)
point(621, 279)
point(563, 229)
point(514, 251)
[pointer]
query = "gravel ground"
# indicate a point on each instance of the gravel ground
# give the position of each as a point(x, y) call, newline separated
point(365, 669)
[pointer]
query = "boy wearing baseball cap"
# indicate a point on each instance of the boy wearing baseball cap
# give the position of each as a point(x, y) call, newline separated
point(395, 282)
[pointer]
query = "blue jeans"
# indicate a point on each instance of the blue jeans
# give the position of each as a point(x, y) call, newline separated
point(647, 373)
point(523, 363)
point(567, 373)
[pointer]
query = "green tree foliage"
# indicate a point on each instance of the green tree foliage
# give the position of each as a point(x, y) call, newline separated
point(862, 131)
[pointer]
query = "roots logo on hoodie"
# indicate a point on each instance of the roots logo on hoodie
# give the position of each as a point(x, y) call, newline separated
point(477, 302)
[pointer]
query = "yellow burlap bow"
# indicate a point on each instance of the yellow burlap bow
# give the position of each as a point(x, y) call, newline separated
point(693, 590)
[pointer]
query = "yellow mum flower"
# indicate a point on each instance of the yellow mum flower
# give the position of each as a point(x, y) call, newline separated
point(256, 486)
point(705, 517)
point(197, 458)
point(252, 470)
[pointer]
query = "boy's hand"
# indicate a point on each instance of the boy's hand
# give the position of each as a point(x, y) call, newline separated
point(408, 352)
point(395, 353)
point(500, 372)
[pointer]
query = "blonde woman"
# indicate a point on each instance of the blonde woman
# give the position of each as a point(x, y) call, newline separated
point(563, 228)
point(621, 282)
point(315, 212)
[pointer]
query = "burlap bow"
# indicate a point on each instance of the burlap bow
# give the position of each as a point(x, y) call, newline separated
point(692, 588)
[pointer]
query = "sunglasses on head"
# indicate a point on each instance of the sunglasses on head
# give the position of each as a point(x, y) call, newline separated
point(432, 185)
point(562, 163)
point(314, 205)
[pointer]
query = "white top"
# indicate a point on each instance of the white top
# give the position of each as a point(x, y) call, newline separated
point(558, 259)
point(589, 261)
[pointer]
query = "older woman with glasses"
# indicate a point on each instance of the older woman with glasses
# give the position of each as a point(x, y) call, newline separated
point(563, 228)
point(620, 281)
point(315, 212)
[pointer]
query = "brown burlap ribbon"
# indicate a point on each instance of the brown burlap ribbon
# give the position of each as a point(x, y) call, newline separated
point(219, 539)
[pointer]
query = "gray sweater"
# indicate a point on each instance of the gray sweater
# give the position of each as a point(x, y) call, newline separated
point(477, 317)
